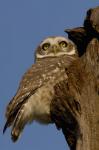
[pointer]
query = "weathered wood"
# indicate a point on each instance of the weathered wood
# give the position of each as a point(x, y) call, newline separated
point(80, 37)
point(91, 22)
point(75, 108)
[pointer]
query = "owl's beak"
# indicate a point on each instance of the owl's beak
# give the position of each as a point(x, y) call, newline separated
point(55, 49)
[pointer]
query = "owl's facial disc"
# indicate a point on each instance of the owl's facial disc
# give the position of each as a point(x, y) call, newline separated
point(55, 47)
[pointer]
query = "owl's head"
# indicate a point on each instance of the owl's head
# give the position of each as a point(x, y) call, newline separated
point(54, 47)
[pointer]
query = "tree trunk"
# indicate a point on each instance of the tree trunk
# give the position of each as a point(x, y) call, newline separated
point(75, 108)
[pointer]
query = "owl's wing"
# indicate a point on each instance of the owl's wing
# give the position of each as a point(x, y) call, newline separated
point(33, 79)
point(42, 73)
point(38, 75)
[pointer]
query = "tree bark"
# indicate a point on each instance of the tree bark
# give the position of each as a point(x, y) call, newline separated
point(75, 108)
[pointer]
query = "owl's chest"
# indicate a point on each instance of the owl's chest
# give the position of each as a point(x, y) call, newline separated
point(40, 104)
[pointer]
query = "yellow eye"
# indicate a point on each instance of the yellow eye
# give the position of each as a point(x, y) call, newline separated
point(45, 46)
point(63, 44)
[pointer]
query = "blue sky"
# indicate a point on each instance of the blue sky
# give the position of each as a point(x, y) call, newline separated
point(23, 24)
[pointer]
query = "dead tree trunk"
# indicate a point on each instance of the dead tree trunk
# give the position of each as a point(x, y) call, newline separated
point(75, 108)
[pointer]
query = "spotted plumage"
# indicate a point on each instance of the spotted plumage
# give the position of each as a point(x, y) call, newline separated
point(36, 89)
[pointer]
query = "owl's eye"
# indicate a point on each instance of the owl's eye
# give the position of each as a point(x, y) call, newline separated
point(63, 44)
point(45, 46)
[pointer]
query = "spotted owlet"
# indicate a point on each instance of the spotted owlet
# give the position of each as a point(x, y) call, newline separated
point(36, 89)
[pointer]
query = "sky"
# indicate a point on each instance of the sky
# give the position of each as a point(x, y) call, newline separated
point(23, 25)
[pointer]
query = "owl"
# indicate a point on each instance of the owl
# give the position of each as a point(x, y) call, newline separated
point(36, 89)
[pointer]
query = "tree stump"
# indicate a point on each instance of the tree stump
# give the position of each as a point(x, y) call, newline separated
point(75, 108)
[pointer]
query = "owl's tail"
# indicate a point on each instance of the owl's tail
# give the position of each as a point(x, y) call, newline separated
point(20, 121)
